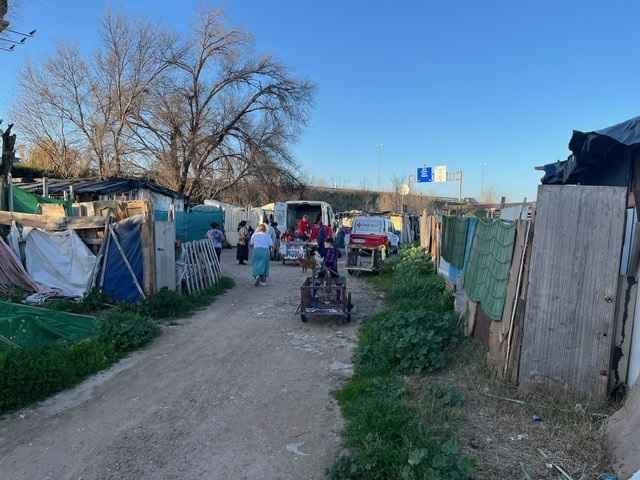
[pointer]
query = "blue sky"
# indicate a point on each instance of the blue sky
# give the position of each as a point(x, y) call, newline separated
point(493, 86)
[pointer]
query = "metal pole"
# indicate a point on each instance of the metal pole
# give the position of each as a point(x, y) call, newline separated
point(10, 185)
point(460, 192)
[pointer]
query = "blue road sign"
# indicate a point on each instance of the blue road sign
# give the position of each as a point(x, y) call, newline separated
point(425, 175)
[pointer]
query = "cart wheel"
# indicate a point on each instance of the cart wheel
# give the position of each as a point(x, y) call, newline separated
point(303, 317)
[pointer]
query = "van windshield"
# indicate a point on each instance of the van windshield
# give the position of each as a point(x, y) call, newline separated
point(368, 225)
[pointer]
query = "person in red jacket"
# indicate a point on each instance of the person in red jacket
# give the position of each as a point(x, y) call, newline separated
point(302, 231)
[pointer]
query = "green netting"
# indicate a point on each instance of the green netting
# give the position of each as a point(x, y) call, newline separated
point(25, 202)
point(487, 274)
point(32, 327)
point(454, 238)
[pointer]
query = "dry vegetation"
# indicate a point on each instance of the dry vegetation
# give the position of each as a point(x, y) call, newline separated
point(498, 430)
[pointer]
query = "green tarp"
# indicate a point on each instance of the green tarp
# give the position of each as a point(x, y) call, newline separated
point(487, 274)
point(25, 202)
point(31, 327)
point(454, 238)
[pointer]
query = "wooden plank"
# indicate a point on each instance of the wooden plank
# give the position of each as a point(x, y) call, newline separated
point(165, 239)
point(148, 255)
point(568, 325)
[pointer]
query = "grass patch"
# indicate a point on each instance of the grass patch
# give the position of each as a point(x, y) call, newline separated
point(29, 375)
point(391, 433)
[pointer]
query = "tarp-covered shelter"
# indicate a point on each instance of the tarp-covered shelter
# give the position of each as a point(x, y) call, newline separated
point(59, 260)
point(12, 273)
point(90, 189)
point(601, 157)
point(123, 274)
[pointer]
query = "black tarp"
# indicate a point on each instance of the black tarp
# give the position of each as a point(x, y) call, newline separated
point(601, 157)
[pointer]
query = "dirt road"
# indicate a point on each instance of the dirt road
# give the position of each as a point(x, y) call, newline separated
point(239, 391)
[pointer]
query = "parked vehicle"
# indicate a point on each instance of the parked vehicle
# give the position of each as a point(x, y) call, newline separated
point(288, 214)
point(371, 241)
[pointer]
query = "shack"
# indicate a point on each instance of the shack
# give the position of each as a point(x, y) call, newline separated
point(118, 189)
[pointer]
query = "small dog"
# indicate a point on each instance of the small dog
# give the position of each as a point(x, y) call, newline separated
point(307, 263)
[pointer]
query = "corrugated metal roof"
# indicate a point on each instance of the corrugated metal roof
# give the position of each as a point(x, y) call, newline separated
point(97, 186)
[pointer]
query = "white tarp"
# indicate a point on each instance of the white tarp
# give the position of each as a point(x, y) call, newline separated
point(59, 260)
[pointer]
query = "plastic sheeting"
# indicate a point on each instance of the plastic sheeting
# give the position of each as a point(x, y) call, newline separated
point(454, 239)
point(59, 260)
point(25, 202)
point(32, 327)
point(12, 273)
point(118, 283)
point(487, 273)
point(193, 225)
point(450, 272)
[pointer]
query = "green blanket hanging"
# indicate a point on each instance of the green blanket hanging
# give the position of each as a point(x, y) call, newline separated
point(454, 238)
point(487, 274)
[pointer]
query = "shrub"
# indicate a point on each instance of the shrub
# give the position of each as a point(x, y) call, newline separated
point(411, 341)
point(125, 331)
point(420, 291)
point(31, 375)
point(93, 302)
point(386, 438)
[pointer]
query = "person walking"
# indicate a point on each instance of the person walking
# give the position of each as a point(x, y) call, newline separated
point(217, 237)
point(242, 249)
point(261, 254)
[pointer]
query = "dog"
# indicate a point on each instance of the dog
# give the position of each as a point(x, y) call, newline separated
point(307, 263)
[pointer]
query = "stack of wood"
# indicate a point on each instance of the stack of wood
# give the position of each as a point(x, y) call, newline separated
point(201, 266)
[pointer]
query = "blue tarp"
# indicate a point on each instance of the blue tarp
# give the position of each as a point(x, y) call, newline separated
point(118, 282)
point(193, 225)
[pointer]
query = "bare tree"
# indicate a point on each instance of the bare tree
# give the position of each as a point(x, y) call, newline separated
point(90, 100)
point(220, 115)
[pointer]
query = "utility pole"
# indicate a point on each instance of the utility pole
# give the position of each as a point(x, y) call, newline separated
point(379, 147)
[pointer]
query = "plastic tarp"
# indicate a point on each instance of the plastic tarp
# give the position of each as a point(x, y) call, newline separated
point(598, 157)
point(25, 202)
point(454, 239)
point(118, 284)
point(12, 273)
point(487, 273)
point(450, 272)
point(59, 260)
point(193, 225)
point(32, 327)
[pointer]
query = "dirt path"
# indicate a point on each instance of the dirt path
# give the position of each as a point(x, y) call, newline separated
point(239, 391)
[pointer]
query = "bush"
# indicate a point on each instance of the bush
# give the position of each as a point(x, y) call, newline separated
point(420, 291)
point(125, 331)
point(93, 302)
point(31, 375)
point(28, 375)
point(387, 439)
point(411, 341)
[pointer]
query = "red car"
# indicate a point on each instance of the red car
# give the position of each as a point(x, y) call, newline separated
point(371, 241)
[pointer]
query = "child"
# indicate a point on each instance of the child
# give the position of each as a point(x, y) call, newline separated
point(331, 256)
point(217, 237)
